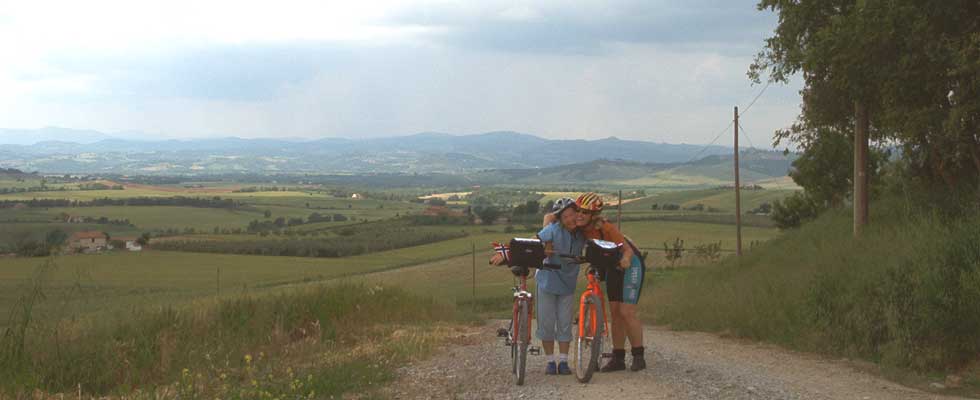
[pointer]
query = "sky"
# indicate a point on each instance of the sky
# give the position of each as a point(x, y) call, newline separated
point(663, 71)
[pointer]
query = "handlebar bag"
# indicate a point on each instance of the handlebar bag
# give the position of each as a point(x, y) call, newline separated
point(602, 253)
point(528, 253)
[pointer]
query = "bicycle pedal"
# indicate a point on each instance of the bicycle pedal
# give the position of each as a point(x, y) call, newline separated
point(534, 351)
point(502, 332)
point(607, 355)
point(575, 321)
point(507, 342)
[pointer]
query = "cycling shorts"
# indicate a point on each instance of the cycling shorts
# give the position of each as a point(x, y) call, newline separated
point(625, 286)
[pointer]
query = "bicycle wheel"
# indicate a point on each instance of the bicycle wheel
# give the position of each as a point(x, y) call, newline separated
point(588, 347)
point(513, 346)
point(523, 341)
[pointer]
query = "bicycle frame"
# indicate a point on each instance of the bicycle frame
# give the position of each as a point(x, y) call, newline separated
point(593, 288)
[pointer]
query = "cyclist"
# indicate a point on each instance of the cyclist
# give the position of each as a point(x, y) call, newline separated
point(556, 288)
point(623, 285)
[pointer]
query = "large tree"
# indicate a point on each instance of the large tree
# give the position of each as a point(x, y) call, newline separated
point(912, 67)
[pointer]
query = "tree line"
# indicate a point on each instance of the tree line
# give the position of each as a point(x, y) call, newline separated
point(181, 201)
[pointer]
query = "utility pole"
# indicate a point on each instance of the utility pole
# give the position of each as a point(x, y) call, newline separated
point(738, 196)
point(619, 212)
point(474, 274)
point(860, 167)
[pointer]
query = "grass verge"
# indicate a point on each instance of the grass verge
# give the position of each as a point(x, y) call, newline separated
point(314, 342)
point(904, 295)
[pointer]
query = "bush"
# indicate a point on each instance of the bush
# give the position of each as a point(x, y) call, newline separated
point(795, 210)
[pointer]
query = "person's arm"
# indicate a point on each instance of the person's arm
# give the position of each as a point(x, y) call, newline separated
point(548, 219)
point(611, 232)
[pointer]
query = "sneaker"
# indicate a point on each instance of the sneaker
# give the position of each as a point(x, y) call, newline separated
point(563, 368)
point(551, 369)
point(638, 363)
point(614, 364)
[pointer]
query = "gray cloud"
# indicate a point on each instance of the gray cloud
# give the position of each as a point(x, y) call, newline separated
point(562, 27)
point(219, 72)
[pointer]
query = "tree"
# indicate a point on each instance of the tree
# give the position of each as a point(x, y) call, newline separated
point(55, 238)
point(910, 67)
point(267, 213)
point(825, 168)
point(488, 214)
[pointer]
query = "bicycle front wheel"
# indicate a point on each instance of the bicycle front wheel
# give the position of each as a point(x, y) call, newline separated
point(588, 346)
point(523, 340)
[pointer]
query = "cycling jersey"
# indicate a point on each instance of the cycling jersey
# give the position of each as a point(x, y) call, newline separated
point(621, 286)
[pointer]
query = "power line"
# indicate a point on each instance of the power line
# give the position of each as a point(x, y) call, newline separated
point(745, 135)
point(746, 110)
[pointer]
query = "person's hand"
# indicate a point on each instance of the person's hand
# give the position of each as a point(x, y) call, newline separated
point(549, 218)
point(497, 259)
point(624, 263)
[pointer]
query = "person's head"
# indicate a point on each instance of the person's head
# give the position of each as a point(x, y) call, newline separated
point(564, 210)
point(588, 206)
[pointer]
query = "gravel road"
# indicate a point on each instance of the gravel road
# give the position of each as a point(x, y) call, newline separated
point(682, 365)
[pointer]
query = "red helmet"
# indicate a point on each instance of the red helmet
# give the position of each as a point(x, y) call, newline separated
point(589, 202)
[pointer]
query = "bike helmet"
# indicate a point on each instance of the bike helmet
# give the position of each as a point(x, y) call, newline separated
point(589, 202)
point(561, 204)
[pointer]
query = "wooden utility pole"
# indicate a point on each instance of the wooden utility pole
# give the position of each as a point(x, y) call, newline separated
point(474, 275)
point(738, 196)
point(619, 212)
point(860, 167)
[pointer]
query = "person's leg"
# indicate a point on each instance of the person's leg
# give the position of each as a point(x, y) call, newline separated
point(632, 287)
point(566, 309)
point(632, 326)
point(546, 332)
point(614, 291)
point(616, 325)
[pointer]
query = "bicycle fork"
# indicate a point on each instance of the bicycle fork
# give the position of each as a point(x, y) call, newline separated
point(585, 302)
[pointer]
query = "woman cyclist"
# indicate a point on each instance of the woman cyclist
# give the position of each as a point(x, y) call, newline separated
point(623, 285)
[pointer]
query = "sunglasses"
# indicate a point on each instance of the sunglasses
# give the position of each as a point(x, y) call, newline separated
point(588, 212)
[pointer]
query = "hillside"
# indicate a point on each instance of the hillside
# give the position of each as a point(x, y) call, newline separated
point(88, 152)
point(756, 166)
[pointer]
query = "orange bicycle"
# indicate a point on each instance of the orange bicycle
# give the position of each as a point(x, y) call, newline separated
point(593, 325)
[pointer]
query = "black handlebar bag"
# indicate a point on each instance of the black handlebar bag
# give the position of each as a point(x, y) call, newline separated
point(602, 255)
point(526, 253)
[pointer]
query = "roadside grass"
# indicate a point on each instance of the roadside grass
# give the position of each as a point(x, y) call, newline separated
point(904, 295)
point(312, 342)
point(119, 281)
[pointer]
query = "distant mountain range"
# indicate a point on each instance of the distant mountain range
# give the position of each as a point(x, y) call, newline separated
point(490, 155)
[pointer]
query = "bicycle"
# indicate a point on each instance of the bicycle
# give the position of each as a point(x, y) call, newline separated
point(524, 254)
point(593, 324)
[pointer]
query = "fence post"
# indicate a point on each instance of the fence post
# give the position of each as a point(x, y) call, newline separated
point(218, 281)
point(473, 252)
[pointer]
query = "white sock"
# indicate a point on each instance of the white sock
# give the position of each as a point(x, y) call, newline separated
point(552, 358)
point(563, 357)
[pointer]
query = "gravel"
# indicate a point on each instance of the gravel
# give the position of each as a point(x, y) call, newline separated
point(681, 365)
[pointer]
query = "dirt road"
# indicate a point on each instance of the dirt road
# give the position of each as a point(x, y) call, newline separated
point(682, 365)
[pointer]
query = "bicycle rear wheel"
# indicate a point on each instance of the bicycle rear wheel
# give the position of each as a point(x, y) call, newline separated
point(523, 340)
point(588, 346)
point(513, 346)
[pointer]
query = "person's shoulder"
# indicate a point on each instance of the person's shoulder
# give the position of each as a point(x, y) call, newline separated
point(548, 230)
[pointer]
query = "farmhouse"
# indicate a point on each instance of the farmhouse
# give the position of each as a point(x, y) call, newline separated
point(87, 242)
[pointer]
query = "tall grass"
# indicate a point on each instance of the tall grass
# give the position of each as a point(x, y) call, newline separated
point(906, 294)
point(310, 342)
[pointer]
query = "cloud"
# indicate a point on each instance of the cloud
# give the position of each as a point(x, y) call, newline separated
point(644, 70)
point(588, 27)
